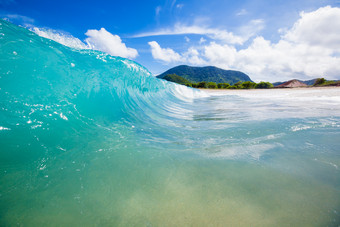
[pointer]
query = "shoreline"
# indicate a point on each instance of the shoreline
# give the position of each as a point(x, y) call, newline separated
point(270, 89)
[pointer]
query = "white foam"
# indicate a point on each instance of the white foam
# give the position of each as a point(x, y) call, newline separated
point(101, 40)
point(4, 128)
point(63, 116)
point(299, 128)
point(188, 94)
point(60, 37)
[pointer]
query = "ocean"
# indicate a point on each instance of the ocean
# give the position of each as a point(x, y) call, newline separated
point(88, 139)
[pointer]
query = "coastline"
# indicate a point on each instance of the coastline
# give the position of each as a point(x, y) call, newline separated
point(270, 89)
point(292, 94)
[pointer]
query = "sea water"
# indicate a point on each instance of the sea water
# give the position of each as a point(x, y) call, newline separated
point(88, 139)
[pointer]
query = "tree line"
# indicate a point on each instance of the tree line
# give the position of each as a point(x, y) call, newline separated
point(238, 85)
point(212, 85)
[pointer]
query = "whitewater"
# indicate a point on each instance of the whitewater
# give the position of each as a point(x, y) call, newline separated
point(89, 139)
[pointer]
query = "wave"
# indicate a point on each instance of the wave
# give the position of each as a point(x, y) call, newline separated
point(51, 89)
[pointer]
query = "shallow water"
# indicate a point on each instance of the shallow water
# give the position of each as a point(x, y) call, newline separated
point(100, 142)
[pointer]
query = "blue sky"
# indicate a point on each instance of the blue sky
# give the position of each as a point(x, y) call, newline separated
point(271, 40)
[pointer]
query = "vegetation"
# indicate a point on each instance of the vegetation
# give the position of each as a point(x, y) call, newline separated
point(209, 73)
point(177, 79)
point(248, 85)
point(202, 84)
point(262, 85)
point(319, 81)
point(223, 85)
point(212, 85)
point(239, 84)
point(323, 82)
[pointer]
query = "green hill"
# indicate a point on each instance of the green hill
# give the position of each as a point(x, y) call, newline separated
point(175, 78)
point(208, 73)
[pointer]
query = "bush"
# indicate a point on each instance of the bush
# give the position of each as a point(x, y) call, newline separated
point(202, 84)
point(319, 81)
point(238, 85)
point(263, 85)
point(223, 85)
point(248, 85)
point(212, 85)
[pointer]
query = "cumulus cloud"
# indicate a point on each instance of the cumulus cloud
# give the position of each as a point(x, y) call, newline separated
point(220, 55)
point(318, 28)
point(309, 49)
point(286, 60)
point(112, 44)
point(192, 56)
point(164, 54)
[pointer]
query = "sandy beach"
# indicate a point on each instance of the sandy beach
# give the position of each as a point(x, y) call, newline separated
point(308, 91)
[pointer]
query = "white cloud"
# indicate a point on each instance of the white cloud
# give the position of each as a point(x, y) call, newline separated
point(220, 55)
point(221, 35)
point(158, 10)
point(318, 28)
point(179, 6)
point(192, 56)
point(165, 54)
point(242, 12)
point(214, 33)
point(186, 39)
point(168, 55)
point(251, 29)
point(202, 40)
point(112, 44)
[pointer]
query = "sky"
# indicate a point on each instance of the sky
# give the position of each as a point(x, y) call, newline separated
point(270, 40)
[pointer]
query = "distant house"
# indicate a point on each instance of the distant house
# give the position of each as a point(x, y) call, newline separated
point(292, 84)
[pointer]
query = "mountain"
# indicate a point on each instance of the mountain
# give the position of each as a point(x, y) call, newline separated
point(291, 84)
point(307, 82)
point(208, 73)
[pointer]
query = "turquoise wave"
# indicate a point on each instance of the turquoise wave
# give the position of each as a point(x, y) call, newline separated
point(49, 91)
